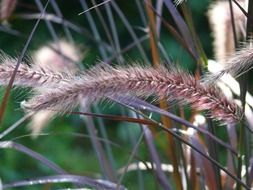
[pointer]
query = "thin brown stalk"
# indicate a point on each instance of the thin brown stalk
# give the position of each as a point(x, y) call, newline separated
point(103, 81)
point(163, 104)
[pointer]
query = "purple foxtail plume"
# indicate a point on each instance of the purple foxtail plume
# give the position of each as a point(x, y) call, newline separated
point(105, 81)
point(238, 64)
point(27, 76)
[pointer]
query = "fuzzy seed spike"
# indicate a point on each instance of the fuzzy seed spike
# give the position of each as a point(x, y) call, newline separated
point(28, 76)
point(238, 64)
point(102, 82)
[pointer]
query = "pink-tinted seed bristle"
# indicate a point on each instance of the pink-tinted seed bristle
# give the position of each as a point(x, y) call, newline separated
point(27, 76)
point(102, 82)
point(238, 64)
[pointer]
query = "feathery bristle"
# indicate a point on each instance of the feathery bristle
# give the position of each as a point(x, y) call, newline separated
point(102, 82)
point(27, 76)
point(238, 64)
